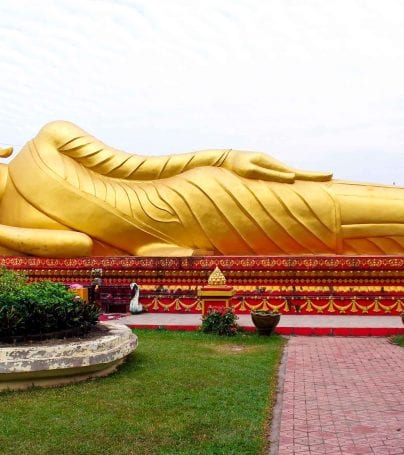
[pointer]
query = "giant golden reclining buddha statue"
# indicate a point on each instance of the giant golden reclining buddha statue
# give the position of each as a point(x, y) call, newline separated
point(67, 194)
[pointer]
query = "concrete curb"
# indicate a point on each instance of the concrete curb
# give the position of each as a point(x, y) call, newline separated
point(47, 365)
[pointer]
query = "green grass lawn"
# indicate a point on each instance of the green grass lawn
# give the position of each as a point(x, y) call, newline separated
point(179, 393)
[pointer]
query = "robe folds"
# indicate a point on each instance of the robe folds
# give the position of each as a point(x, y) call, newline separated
point(66, 181)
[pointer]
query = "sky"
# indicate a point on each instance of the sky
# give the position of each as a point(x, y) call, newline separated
point(318, 84)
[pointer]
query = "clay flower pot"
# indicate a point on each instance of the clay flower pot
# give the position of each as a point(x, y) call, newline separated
point(265, 321)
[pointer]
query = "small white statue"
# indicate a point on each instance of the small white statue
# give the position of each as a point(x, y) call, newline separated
point(135, 307)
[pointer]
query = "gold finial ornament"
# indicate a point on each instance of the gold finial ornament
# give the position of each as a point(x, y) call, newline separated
point(66, 194)
point(5, 153)
point(216, 278)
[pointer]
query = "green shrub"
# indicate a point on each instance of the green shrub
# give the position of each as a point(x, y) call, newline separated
point(11, 281)
point(42, 307)
point(221, 321)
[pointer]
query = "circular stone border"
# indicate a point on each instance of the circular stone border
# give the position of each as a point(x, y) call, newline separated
point(64, 361)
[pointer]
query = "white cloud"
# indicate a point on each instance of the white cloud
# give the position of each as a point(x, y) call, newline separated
point(315, 83)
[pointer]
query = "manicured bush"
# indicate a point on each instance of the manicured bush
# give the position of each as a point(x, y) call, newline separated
point(221, 321)
point(42, 307)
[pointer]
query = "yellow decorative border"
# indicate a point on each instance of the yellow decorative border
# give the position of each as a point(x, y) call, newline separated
point(177, 304)
point(306, 305)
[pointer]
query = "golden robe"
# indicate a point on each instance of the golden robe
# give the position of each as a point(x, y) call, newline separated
point(68, 194)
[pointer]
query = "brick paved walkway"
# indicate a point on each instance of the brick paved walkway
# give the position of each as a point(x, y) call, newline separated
point(342, 396)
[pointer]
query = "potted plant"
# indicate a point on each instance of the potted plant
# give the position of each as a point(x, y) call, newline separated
point(265, 321)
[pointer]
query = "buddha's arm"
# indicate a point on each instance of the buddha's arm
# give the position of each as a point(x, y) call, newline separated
point(75, 143)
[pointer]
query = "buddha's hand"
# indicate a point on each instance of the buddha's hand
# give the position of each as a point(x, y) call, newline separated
point(263, 167)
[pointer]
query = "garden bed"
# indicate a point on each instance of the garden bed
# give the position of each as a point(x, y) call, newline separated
point(53, 362)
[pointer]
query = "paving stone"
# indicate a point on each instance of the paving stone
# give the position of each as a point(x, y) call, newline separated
point(346, 394)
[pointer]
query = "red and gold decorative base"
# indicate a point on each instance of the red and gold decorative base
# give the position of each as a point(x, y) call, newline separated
point(339, 304)
point(306, 284)
point(215, 297)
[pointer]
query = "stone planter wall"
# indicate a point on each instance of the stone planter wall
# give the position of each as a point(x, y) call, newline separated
point(63, 362)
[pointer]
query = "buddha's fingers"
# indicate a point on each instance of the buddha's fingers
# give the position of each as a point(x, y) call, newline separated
point(275, 165)
point(313, 176)
point(258, 166)
point(268, 162)
point(261, 173)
